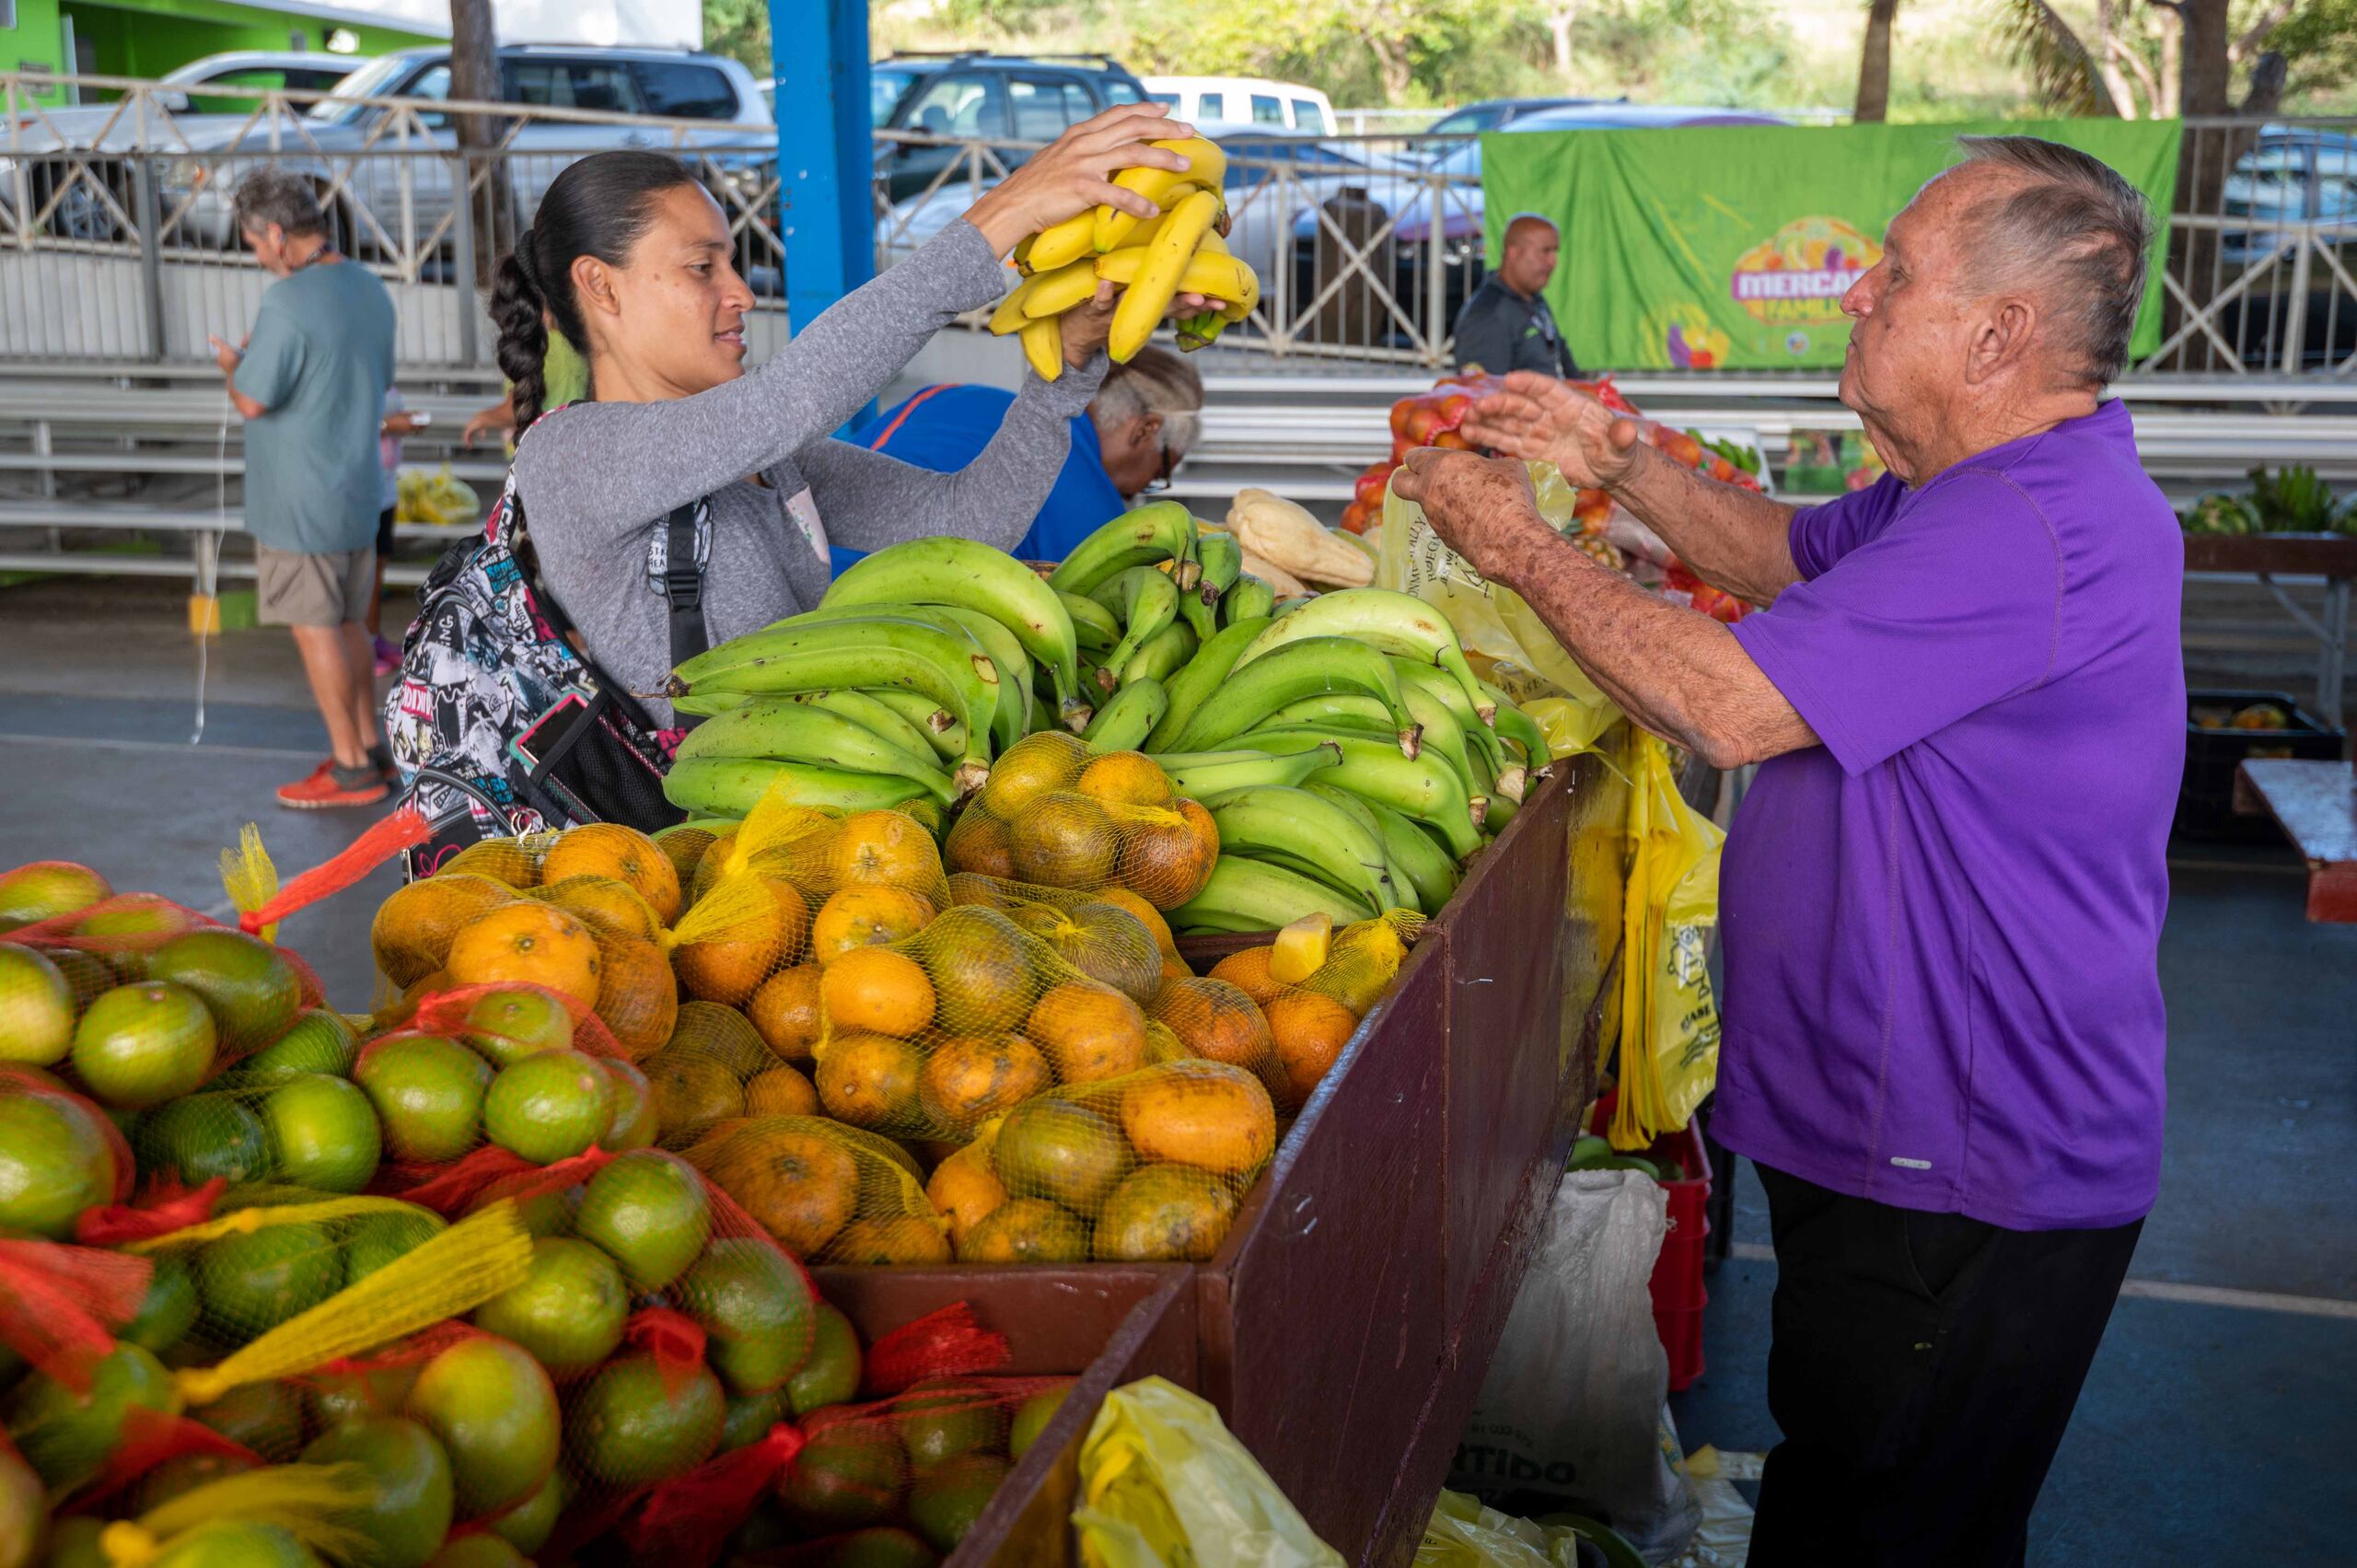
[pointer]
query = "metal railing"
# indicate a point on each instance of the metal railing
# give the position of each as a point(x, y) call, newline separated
point(116, 244)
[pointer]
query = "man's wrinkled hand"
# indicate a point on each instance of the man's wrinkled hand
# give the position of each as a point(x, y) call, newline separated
point(1545, 420)
point(1481, 508)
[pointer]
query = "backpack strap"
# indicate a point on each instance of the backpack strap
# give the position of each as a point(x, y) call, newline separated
point(683, 587)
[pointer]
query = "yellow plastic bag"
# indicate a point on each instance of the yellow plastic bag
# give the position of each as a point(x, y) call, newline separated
point(1164, 1485)
point(1465, 1532)
point(1670, 1026)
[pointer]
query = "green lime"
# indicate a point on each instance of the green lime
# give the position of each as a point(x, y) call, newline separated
point(324, 1132)
point(569, 1310)
point(24, 1512)
point(319, 1041)
point(67, 1435)
point(749, 1418)
point(549, 1106)
point(135, 915)
point(428, 1093)
point(140, 1045)
point(886, 1546)
point(55, 1161)
point(527, 1526)
point(36, 1008)
point(495, 1410)
point(832, 1375)
point(378, 1240)
point(507, 1026)
point(625, 1429)
point(265, 1417)
point(200, 1137)
point(947, 1500)
point(648, 1210)
point(169, 1309)
point(410, 1491)
point(755, 1307)
point(253, 1282)
point(550, 1213)
point(182, 1472)
point(251, 989)
point(335, 1397)
point(634, 1124)
point(942, 1418)
point(86, 974)
point(480, 1551)
point(1031, 1418)
point(851, 1473)
point(47, 888)
point(235, 1543)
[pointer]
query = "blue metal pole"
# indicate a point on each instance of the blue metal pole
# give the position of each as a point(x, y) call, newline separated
point(819, 48)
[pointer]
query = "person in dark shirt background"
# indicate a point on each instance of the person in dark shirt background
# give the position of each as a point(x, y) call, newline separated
point(1506, 325)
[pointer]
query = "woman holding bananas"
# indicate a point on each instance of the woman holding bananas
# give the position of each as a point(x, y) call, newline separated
point(629, 260)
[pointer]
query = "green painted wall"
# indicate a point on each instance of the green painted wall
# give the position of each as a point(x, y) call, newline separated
point(156, 36)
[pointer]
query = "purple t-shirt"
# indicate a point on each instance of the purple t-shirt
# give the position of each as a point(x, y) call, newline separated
point(1941, 927)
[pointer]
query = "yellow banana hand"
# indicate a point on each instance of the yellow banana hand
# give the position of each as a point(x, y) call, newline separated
point(1043, 346)
point(1009, 315)
point(1206, 167)
point(1052, 293)
point(1221, 278)
point(1063, 243)
point(1149, 295)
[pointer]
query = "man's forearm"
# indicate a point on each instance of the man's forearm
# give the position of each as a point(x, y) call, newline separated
point(1735, 540)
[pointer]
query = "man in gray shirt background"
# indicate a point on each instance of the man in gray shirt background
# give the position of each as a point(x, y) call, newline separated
point(1506, 325)
point(310, 384)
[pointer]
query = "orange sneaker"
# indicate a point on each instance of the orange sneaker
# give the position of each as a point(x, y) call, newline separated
point(328, 786)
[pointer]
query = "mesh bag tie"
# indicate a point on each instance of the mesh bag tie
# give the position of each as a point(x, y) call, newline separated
point(56, 1301)
point(949, 1341)
point(673, 1339)
point(246, 872)
point(689, 1518)
point(164, 1208)
point(149, 1438)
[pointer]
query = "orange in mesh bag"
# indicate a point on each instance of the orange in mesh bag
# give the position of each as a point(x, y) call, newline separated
point(1149, 1167)
point(1056, 814)
point(1341, 976)
point(827, 1191)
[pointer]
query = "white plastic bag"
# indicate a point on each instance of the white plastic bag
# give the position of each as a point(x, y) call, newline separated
point(1570, 1415)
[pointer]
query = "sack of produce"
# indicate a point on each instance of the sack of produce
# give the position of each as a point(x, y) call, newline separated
point(1083, 927)
point(826, 1191)
point(1057, 814)
point(1314, 984)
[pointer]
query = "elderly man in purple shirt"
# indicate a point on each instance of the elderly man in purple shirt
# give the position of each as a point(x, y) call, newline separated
point(1943, 898)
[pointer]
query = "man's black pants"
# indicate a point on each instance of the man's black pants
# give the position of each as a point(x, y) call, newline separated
point(1923, 1368)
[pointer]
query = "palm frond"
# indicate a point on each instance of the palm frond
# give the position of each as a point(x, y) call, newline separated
point(2061, 71)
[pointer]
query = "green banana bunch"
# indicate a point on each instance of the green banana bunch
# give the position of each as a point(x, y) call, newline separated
point(1191, 686)
point(1146, 600)
point(865, 708)
point(705, 705)
point(1011, 712)
point(1165, 654)
point(1414, 852)
point(1352, 710)
point(1439, 686)
point(1093, 625)
point(1404, 890)
point(780, 729)
point(1159, 530)
point(1249, 599)
point(1123, 719)
point(1222, 560)
point(1306, 834)
point(972, 575)
point(731, 786)
point(1201, 775)
point(1254, 691)
point(1425, 788)
point(947, 735)
point(1394, 623)
point(1514, 724)
point(948, 669)
point(1251, 895)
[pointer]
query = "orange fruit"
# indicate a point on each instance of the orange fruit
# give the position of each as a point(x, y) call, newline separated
point(862, 916)
point(1217, 1021)
point(638, 997)
point(1051, 760)
point(780, 1091)
point(1206, 831)
point(870, 1080)
point(1176, 969)
point(1248, 970)
point(968, 1077)
point(730, 967)
point(1311, 1031)
point(885, 848)
point(972, 888)
point(685, 846)
point(801, 1185)
point(610, 849)
point(965, 1189)
point(1124, 778)
point(1060, 1150)
point(904, 1238)
point(506, 861)
point(1205, 1114)
point(528, 942)
point(877, 989)
point(1165, 1214)
point(1064, 839)
point(414, 928)
point(1026, 1231)
point(1162, 858)
point(692, 1091)
point(979, 845)
point(1089, 1031)
point(982, 969)
point(1147, 916)
point(785, 1011)
point(1102, 942)
point(604, 904)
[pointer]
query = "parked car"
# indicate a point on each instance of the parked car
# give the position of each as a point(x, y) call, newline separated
point(990, 98)
point(1252, 101)
point(346, 136)
point(1496, 113)
point(2295, 175)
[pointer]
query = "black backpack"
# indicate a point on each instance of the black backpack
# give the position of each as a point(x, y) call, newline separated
point(501, 725)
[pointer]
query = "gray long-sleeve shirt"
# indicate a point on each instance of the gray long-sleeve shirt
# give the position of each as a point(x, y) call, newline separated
point(598, 480)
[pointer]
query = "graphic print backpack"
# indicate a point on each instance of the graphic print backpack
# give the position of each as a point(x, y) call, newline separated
point(500, 724)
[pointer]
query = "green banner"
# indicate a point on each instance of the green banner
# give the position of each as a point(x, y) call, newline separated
point(1730, 247)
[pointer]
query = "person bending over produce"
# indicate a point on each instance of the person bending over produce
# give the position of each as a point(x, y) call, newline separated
point(1942, 900)
point(629, 260)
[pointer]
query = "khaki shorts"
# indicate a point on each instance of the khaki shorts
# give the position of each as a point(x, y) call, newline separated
point(313, 590)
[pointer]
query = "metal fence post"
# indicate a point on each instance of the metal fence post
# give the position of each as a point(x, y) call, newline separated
point(1437, 282)
point(147, 213)
point(2296, 311)
point(462, 262)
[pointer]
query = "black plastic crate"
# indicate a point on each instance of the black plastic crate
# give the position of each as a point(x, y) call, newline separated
point(2208, 804)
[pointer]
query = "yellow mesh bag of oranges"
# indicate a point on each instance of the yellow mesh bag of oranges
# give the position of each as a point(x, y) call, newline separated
point(1315, 983)
point(826, 1191)
point(1055, 814)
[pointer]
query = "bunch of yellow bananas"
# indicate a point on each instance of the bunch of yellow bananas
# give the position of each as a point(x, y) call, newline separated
point(438, 498)
point(1152, 260)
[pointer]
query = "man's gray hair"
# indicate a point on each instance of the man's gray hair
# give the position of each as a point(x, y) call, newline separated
point(274, 195)
point(2077, 227)
point(1154, 381)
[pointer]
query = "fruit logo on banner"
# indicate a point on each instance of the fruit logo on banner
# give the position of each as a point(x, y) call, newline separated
point(1729, 248)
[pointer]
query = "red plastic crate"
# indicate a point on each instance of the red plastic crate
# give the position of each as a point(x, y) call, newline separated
point(1679, 1295)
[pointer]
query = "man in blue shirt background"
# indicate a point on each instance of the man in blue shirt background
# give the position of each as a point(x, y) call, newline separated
point(1138, 426)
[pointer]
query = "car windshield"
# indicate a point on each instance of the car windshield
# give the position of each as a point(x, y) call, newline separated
point(371, 80)
point(885, 85)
